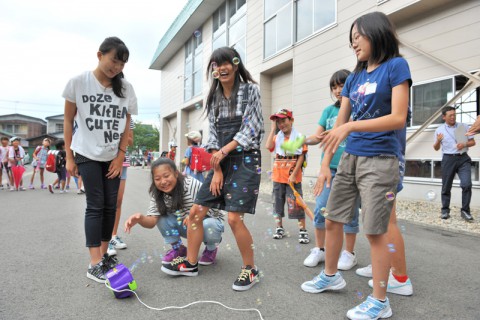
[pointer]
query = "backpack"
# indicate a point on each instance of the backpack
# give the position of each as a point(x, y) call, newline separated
point(51, 164)
point(200, 160)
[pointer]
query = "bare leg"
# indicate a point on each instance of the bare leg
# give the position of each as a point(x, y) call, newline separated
point(278, 221)
point(118, 213)
point(42, 179)
point(301, 223)
point(320, 237)
point(350, 239)
point(195, 232)
point(398, 261)
point(33, 175)
point(380, 264)
point(96, 253)
point(242, 236)
point(333, 245)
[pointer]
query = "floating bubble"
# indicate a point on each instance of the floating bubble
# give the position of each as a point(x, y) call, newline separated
point(204, 168)
point(359, 295)
point(194, 226)
point(235, 167)
point(234, 184)
point(198, 106)
point(240, 202)
point(245, 189)
point(259, 170)
point(310, 184)
point(259, 301)
point(431, 195)
point(235, 60)
point(239, 148)
point(248, 160)
point(390, 196)
point(215, 74)
point(402, 228)
point(245, 119)
point(200, 208)
point(252, 246)
point(255, 191)
point(228, 196)
point(228, 246)
point(187, 124)
point(210, 231)
point(167, 233)
point(382, 284)
point(197, 33)
point(391, 248)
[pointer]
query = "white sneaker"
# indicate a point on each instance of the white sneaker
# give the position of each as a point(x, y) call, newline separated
point(314, 258)
point(111, 249)
point(347, 261)
point(365, 272)
point(118, 243)
point(397, 287)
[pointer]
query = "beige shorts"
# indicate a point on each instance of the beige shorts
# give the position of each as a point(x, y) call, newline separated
point(375, 179)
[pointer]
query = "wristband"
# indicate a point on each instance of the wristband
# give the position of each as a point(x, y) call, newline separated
point(120, 149)
point(223, 152)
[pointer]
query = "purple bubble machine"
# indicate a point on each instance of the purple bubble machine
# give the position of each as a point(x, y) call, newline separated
point(120, 278)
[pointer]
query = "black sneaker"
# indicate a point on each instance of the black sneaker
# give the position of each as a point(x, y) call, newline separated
point(279, 233)
point(303, 236)
point(109, 262)
point(97, 272)
point(466, 216)
point(247, 279)
point(180, 267)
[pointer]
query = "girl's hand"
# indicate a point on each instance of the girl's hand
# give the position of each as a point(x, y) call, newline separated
point(185, 221)
point(322, 136)
point(71, 167)
point(116, 167)
point(217, 157)
point(335, 136)
point(131, 221)
point(291, 178)
point(217, 182)
point(324, 176)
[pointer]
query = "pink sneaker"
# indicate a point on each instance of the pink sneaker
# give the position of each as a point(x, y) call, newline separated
point(174, 253)
point(31, 187)
point(43, 186)
point(50, 188)
point(208, 257)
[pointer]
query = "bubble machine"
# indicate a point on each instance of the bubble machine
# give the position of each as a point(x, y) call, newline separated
point(119, 278)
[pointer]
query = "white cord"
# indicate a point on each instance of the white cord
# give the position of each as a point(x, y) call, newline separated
point(185, 306)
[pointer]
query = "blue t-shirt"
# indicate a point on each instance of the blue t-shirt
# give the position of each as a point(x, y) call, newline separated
point(327, 121)
point(370, 95)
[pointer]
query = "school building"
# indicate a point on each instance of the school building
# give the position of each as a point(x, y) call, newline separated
point(292, 47)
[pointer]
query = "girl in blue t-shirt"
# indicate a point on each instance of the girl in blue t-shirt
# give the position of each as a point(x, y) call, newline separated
point(317, 254)
point(376, 97)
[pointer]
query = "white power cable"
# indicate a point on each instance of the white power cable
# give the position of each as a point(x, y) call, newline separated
point(182, 307)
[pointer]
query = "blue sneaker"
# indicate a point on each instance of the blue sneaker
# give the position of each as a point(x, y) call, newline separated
point(370, 309)
point(321, 283)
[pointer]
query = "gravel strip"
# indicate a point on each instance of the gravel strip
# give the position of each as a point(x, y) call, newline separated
point(418, 212)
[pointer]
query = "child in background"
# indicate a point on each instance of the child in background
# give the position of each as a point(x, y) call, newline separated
point(193, 140)
point(235, 119)
point(173, 151)
point(172, 197)
point(40, 159)
point(60, 159)
point(376, 96)
point(16, 153)
point(348, 259)
point(287, 168)
point(4, 162)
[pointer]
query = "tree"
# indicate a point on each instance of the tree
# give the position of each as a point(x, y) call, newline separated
point(145, 136)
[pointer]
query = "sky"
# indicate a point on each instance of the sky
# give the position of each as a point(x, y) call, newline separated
point(45, 43)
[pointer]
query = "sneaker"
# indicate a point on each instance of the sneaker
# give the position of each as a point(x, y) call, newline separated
point(396, 287)
point(118, 243)
point(57, 187)
point(96, 273)
point(322, 282)
point(314, 258)
point(79, 191)
point(303, 236)
point(279, 233)
point(43, 186)
point(365, 272)
point(31, 187)
point(50, 188)
point(111, 249)
point(371, 309)
point(180, 267)
point(174, 253)
point(109, 262)
point(347, 261)
point(22, 189)
point(247, 279)
point(12, 189)
point(208, 257)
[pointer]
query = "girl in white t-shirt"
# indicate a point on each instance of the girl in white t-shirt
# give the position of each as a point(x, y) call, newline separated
point(98, 107)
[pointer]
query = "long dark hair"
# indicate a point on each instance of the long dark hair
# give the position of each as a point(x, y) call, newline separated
point(380, 31)
point(122, 53)
point(220, 56)
point(177, 193)
point(339, 78)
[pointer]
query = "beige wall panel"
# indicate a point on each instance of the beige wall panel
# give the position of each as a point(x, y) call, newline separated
point(172, 85)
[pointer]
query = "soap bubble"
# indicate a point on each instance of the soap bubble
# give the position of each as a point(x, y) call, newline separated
point(228, 196)
point(240, 201)
point(239, 149)
point(235, 167)
point(390, 196)
point(198, 106)
point(215, 74)
point(236, 60)
point(234, 184)
point(310, 184)
point(431, 195)
point(259, 170)
point(255, 191)
point(391, 248)
point(245, 189)
point(197, 33)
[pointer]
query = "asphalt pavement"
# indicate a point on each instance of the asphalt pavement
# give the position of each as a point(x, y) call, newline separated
point(44, 264)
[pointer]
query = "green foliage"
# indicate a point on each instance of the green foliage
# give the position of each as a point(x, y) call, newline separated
point(145, 136)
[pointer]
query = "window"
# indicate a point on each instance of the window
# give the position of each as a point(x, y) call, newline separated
point(431, 170)
point(427, 98)
point(289, 21)
point(230, 27)
point(59, 127)
point(193, 66)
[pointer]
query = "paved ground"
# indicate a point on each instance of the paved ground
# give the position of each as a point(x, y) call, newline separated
point(44, 262)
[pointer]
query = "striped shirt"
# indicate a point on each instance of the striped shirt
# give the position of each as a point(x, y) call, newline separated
point(191, 187)
point(251, 132)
